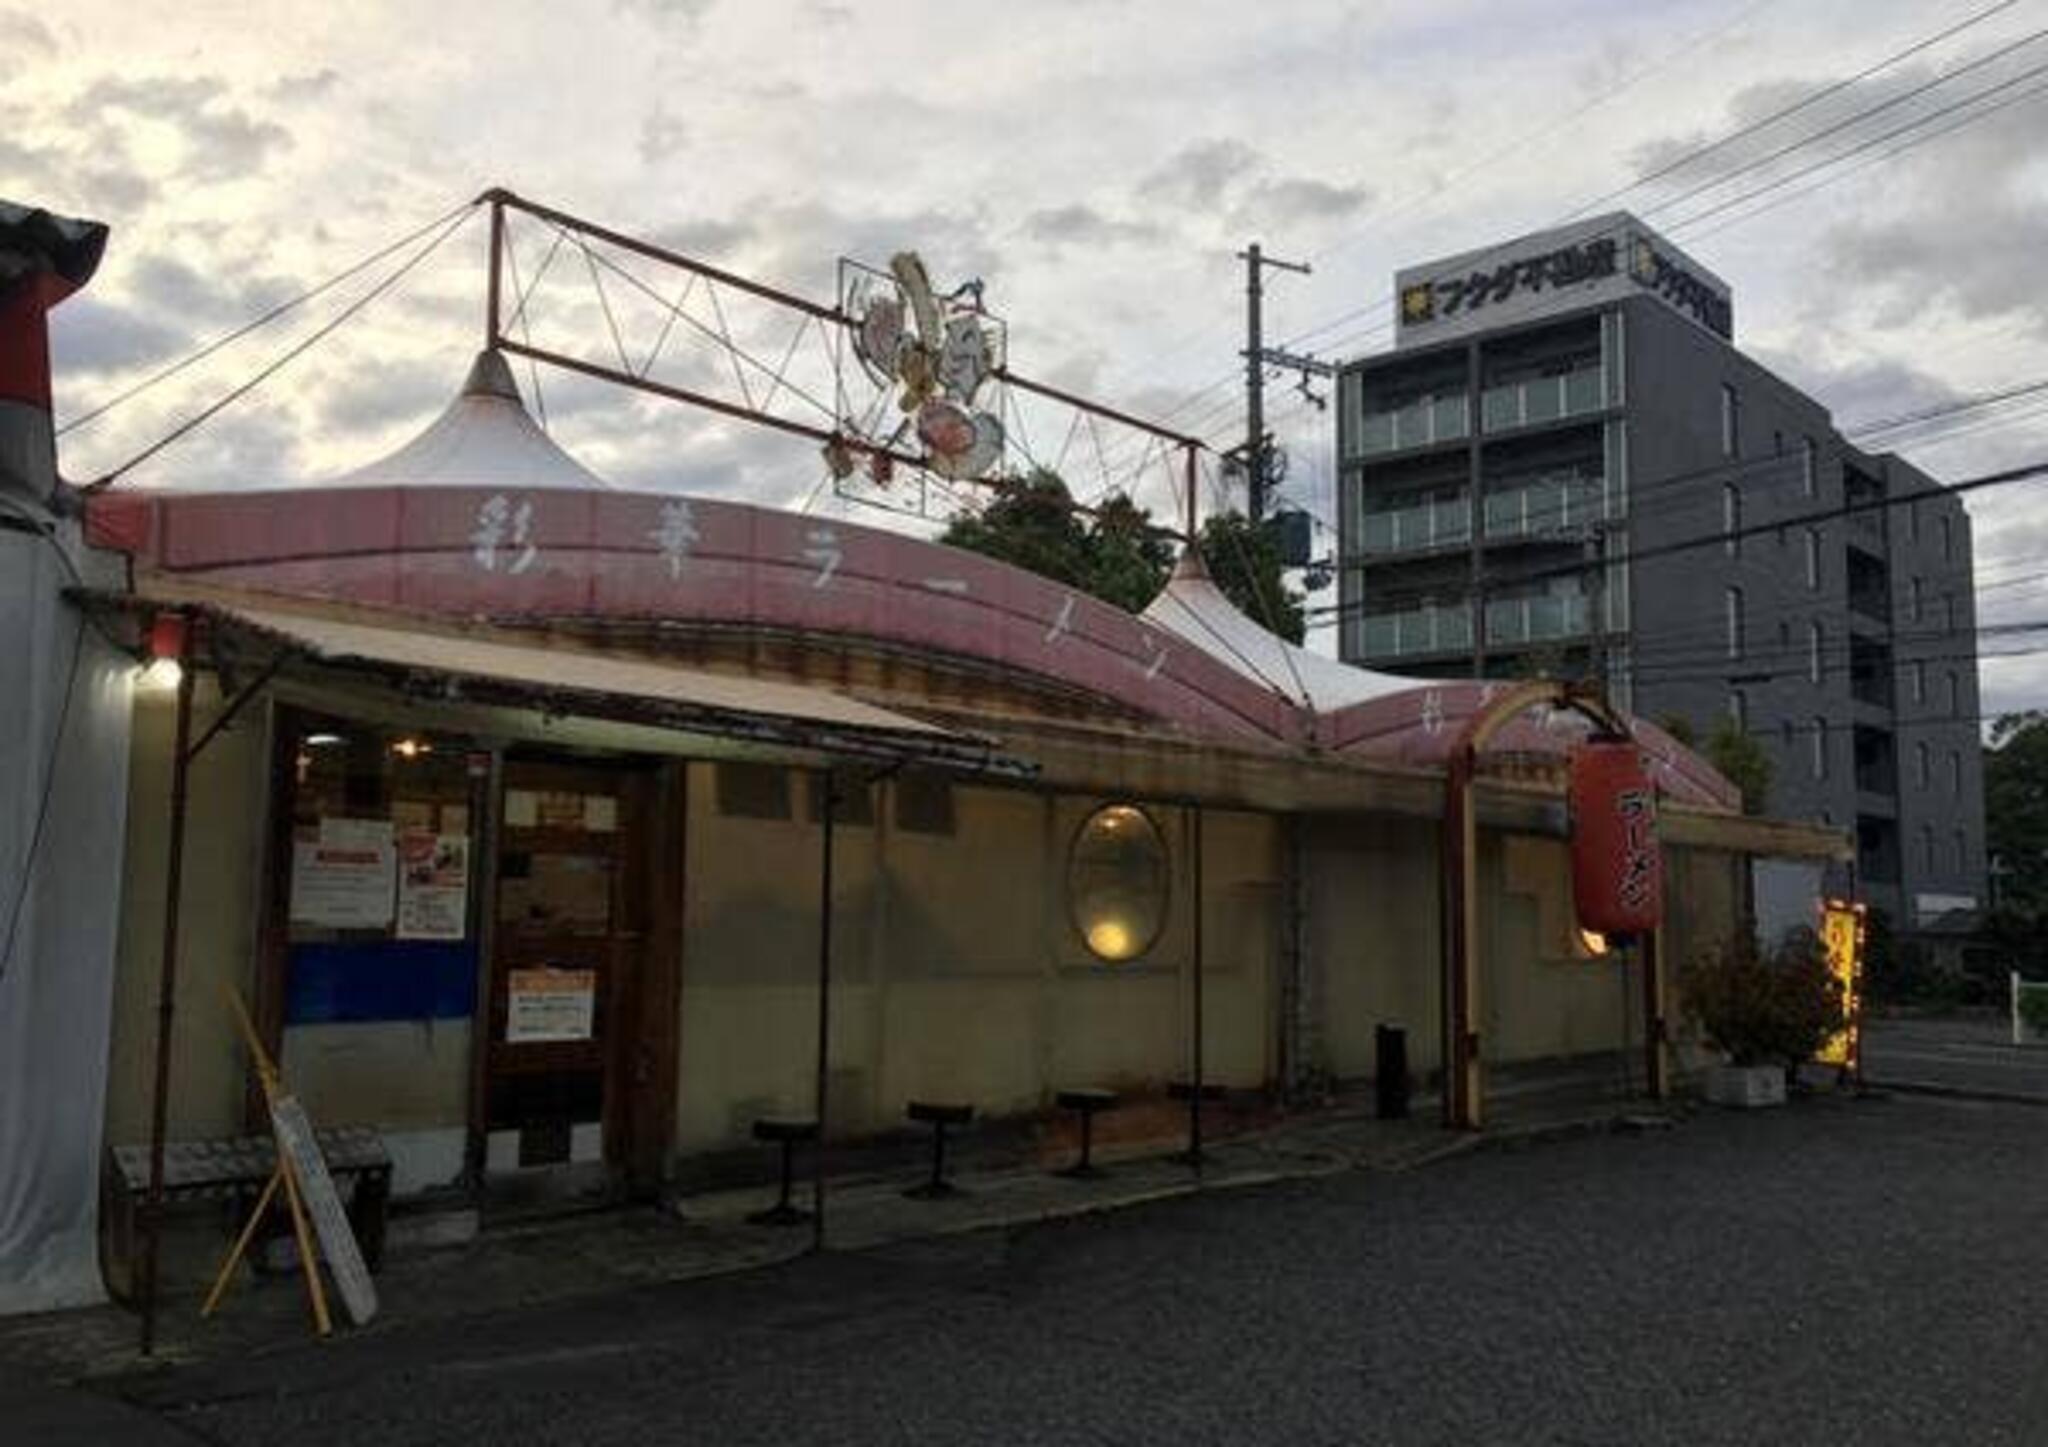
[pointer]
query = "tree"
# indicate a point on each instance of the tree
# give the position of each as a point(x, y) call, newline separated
point(1244, 561)
point(1032, 525)
point(1742, 762)
point(2016, 811)
point(1119, 555)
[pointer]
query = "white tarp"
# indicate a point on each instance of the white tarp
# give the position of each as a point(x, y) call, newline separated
point(56, 992)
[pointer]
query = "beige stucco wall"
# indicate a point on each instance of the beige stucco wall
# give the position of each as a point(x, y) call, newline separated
point(957, 970)
point(223, 858)
point(1371, 939)
point(1703, 904)
point(1539, 997)
point(956, 973)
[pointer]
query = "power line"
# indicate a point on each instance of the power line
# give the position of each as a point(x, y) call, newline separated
point(1848, 508)
point(1845, 173)
point(1805, 103)
point(261, 321)
point(1862, 146)
point(1710, 148)
point(278, 363)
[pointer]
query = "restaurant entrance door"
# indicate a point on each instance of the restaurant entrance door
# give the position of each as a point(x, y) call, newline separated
point(578, 1026)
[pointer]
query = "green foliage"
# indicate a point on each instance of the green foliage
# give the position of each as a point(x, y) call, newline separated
point(1244, 561)
point(1761, 1008)
point(1119, 556)
point(1032, 525)
point(2033, 1008)
point(1742, 762)
point(2016, 811)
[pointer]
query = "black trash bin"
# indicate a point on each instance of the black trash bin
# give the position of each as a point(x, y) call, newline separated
point(1390, 1081)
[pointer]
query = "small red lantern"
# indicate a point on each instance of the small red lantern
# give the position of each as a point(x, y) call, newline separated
point(1617, 868)
point(167, 636)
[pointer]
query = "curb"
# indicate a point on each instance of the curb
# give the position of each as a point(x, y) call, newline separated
point(1959, 1092)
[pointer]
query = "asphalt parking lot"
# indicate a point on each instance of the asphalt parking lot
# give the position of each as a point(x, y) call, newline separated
point(1972, 1053)
point(1872, 1271)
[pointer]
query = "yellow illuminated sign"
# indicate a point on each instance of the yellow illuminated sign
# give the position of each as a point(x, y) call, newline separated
point(1841, 936)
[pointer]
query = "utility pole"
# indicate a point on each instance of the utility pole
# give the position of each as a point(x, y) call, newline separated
point(1596, 602)
point(1257, 357)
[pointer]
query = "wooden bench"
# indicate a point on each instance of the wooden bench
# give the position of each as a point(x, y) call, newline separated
point(237, 1169)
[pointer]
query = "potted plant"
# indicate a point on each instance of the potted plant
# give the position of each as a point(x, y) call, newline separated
point(1766, 1012)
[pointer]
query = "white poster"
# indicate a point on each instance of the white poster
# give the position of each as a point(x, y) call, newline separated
point(550, 1004)
point(344, 879)
point(433, 885)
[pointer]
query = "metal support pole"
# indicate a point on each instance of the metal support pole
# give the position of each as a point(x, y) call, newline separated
point(1194, 1151)
point(827, 814)
point(167, 986)
point(1461, 1105)
point(1188, 467)
point(1657, 1080)
point(1475, 475)
point(497, 271)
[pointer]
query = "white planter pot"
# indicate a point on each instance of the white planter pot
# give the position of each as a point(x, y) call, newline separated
point(1746, 1086)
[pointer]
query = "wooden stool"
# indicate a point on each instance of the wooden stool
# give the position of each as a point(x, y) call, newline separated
point(787, 1131)
point(937, 1115)
point(1087, 1100)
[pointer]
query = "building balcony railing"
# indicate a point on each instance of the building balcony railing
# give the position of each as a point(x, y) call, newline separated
point(1433, 629)
point(1543, 399)
point(1421, 423)
point(1436, 523)
point(1562, 504)
point(1536, 619)
point(1870, 603)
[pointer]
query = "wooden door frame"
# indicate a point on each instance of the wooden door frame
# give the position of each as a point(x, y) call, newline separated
point(646, 1119)
point(641, 1012)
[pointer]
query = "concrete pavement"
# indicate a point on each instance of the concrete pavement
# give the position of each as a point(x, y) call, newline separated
point(1840, 1270)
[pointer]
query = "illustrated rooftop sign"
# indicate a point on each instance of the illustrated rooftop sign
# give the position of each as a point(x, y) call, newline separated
point(1604, 258)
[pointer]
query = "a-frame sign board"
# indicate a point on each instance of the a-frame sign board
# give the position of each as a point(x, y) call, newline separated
point(301, 1175)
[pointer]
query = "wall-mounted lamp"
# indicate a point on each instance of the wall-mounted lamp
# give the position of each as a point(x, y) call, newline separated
point(165, 648)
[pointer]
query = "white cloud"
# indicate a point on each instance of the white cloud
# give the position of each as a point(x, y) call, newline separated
point(1096, 165)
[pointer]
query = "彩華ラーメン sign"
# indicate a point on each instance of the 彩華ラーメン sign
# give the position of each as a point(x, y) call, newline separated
point(1602, 259)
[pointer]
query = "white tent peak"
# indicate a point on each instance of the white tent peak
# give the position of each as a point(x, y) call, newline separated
point(484, 438)
point(1195, 610)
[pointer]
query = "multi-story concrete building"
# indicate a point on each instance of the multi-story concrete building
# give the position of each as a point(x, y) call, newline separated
point(1566, 465)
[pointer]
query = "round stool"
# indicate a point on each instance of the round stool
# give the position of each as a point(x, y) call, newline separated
point(938, 1115)
point(1086, 1100)
point(785, 1131)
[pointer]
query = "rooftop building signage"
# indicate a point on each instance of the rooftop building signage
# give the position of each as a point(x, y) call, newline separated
point(1601, 259)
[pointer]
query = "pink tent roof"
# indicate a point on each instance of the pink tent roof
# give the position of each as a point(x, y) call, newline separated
point(483, 516)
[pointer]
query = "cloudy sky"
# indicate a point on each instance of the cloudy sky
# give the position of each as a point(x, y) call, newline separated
point(1095, 163)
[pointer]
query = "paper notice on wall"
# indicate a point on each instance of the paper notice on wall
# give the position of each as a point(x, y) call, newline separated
point(550, 1004)
point(522, 808)
point(344, 879)
point(433, 885)
point(600, 813)
point(561, 809)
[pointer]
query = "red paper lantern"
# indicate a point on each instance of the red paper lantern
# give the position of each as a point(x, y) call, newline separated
point(167, 636)
point(1617, 868)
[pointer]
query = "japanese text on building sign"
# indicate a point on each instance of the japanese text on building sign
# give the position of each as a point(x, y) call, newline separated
point(1426, 300)
point(1656, 272)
